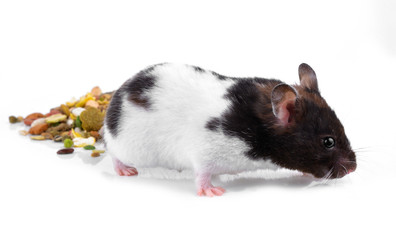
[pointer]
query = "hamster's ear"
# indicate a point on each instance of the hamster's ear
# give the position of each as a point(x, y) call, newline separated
point(283, 99)
point(307, 77)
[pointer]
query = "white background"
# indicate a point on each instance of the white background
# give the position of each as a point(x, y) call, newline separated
point(51, 51)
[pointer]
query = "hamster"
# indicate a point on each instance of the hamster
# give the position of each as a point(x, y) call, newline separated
point(184, 117)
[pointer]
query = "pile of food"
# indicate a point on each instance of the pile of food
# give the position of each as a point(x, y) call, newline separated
point(77, 123)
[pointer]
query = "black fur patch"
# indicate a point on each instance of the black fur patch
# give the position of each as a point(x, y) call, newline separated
point(113, 113)
point(201, 70)
point(242, 120)
point(213, 124)
point(135, 89)
point(219, 76)
point(138, 86)
point(198, 69)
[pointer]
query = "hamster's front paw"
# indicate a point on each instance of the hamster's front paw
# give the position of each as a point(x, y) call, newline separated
point(204, 185)
point(210, 191)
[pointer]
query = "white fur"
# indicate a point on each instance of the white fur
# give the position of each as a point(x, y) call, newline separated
point(172, 133)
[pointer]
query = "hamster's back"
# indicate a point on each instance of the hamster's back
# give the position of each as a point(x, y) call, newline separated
point(158, 117)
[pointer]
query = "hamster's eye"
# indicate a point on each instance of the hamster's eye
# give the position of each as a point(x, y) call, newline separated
point(328, 142)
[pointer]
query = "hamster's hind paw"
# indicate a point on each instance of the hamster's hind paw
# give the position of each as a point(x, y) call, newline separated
point(210, 191)
point(122, 169)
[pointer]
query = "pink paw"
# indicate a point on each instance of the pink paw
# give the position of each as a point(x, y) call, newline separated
point(124, 170)
point(210, 191)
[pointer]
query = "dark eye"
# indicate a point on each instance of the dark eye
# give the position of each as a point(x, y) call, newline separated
point(328, 142)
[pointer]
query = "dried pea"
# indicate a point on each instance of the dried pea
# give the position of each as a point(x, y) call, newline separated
point(68, 143)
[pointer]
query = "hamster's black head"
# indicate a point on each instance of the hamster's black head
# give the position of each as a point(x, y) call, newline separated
point(310, 137)
point(317, 143)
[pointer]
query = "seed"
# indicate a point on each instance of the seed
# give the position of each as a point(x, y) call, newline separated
point(58, 138)
point(96, 91)
point(65, 151)
point(31, 117)
point(37, 122)
point(56, 118)
point(68, 143)
point(38, 129)
point(95, 154)
point(28, 121)
point(23, 132)
point(65, 109)
point(89, 147)
point(53, 112)
point(37, 137)
point(12, 119)
point(98, 151)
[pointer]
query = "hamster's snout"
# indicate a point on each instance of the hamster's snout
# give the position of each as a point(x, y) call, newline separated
point(343, 167)
point(337, 169)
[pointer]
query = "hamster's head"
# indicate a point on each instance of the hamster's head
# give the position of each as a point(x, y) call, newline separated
point(312, 137)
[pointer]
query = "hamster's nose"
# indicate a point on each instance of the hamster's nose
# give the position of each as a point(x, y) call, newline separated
point(351, 168)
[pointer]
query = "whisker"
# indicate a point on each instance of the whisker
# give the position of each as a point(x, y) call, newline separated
point(326, 177)
point(362, 154)
point(365, 147)
point(348, 161)
point(354, 149)
point(346, 171)
point(371, 149)
point(364, 151)
point(323, 180)
point(361, 151)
